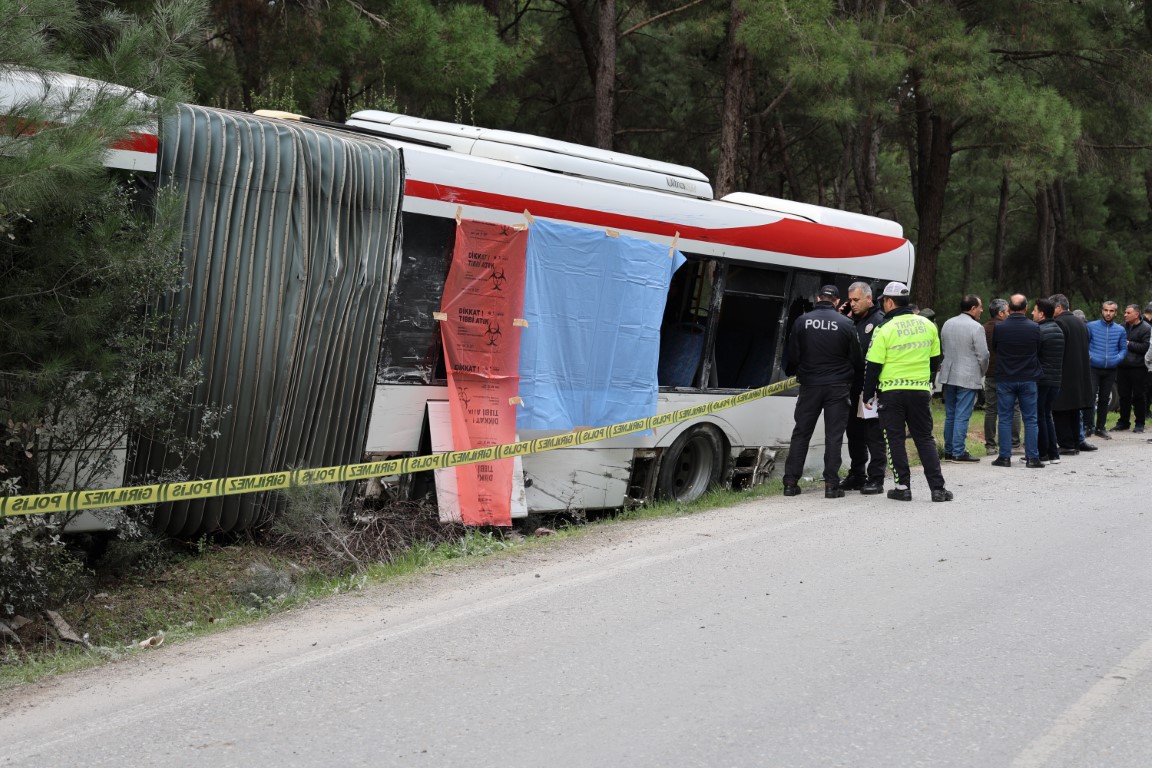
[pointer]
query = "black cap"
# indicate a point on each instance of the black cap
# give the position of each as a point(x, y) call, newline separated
point(828, 292)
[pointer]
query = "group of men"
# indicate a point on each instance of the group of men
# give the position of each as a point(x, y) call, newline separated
point(1054, 375)
point(1046, 373)
point(870, 375)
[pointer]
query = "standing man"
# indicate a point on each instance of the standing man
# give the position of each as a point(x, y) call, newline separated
point(904, 354)
point(965, 348)
point(1148, 364)
point(824, 354)
point(865, 436)
point(1075, 380)
point(997, 311)
point(1052, 365)
point(1017, 344)
point(1107, 345)
point(1131, 373)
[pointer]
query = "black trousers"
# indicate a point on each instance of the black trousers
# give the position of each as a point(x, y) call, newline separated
point(832, 401)
point(1067, 428)
point(900, 408)
point(865, 444)
point(1130, 382)
point(1102, 381)
point(1046, 438)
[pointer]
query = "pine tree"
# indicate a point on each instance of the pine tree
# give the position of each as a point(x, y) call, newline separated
point(83, 251)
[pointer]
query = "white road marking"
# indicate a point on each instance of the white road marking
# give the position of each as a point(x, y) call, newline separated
point(1077, 716)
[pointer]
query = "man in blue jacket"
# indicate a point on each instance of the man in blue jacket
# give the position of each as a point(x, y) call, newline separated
point(1107, 345)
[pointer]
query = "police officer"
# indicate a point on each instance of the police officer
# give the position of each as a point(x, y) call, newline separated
point(865, 436)
point(904, 354)
point(824, 353)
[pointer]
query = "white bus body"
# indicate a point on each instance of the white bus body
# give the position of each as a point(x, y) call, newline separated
point(753, 263)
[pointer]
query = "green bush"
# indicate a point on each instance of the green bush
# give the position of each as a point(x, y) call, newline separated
point(36, 570)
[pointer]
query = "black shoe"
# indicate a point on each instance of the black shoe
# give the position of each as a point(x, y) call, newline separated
point(833, 491)
point(1052, 458)
point(1138, 429)
point(900, 494)
point(1121, 428)
point(1002, 462)
point(941, 494)
point(791, 489)
point(1102, 434)
point(1086, 446)
point(949, 457)
point(873, 487)
point(1034, 464)
point(965, 458)
point(852, 483)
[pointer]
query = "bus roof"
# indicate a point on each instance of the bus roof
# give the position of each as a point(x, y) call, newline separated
point(538, 152)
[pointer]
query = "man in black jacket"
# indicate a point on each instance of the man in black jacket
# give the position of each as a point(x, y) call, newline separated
point(866, 447)
point(1052, 364)
point(1131, 371)
point(1075, 381)
point(1017, 343)
point(824, 354)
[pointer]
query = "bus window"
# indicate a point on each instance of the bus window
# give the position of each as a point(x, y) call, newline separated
point(410, 349)
point(685, 323)
point(749, 326)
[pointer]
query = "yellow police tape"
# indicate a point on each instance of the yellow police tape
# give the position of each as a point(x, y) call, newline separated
point(74, 501)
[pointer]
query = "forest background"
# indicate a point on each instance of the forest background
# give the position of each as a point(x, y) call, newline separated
point(1011, 138)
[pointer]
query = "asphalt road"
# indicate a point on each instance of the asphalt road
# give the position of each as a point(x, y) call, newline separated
point(1010, 627)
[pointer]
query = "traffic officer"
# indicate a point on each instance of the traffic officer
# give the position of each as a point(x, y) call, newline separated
point(904, 354)
point(865, 436)
point(824, 354)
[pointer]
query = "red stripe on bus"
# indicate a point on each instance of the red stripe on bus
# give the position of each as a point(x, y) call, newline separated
point(798, 238)
point(139, 142)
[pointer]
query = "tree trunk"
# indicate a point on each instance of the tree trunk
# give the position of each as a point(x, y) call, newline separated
point(787, 171)
point(738, 72)
point(605, 85)
point(1001, 234)
point(1059, 203)
point(1045, 237)
point(865, 140)
point(245, 21)
point(933, 147)
point(969, 249)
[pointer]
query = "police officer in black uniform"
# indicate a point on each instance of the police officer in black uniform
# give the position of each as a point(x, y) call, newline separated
point(824, 354)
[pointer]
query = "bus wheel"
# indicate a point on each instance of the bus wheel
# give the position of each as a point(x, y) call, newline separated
point(691, 465)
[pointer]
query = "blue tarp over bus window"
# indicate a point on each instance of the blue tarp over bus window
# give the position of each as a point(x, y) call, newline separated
point(593, 303)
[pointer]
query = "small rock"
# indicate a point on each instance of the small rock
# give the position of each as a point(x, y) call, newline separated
point(62, 629)
point(542, 531)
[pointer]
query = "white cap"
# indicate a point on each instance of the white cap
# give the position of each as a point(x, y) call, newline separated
point(895, 289)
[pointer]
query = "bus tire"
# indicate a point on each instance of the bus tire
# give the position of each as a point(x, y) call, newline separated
point(692, 465)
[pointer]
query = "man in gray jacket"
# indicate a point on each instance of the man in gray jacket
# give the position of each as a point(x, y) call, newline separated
point(965, 348)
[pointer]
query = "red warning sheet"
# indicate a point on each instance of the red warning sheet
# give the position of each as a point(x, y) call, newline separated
point(483, 302)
